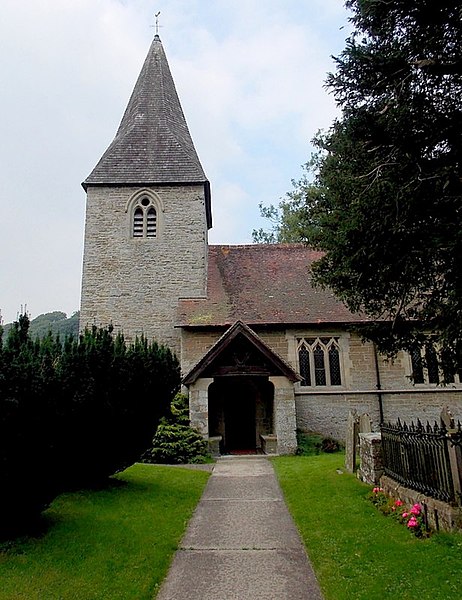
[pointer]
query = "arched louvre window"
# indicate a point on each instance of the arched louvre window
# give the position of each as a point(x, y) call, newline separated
point(151, 222)
point(138, 222)
point(144, 219)
point(319, 362)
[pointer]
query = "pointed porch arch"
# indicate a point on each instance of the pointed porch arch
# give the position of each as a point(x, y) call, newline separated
point(242, 393)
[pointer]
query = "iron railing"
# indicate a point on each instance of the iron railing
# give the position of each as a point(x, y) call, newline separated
point(417, 456)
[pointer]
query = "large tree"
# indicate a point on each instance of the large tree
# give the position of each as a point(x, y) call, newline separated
point(386, 201)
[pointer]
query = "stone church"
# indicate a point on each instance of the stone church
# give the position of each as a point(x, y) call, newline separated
point(262, 352)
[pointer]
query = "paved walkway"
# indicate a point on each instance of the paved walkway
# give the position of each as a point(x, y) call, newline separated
point(241, 543)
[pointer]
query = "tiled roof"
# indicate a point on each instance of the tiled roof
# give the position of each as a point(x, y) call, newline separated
point(263, 284)
point(153, 144)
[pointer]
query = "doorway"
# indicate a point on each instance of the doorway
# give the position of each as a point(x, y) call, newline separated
point(240, 410)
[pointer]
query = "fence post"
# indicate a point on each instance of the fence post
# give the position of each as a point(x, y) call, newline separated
point(454, 437)
point(455, 460)
point(351, 442)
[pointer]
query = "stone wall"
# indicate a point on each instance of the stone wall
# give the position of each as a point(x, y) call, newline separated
point(439, 514)
point(135, 283)
point(199, 405)
point(284, 415)
point(370, 458)
point(328, 413)
point(325, 410)
point(195, 343)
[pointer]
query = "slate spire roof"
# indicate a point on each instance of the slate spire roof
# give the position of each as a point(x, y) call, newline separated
point(153, 144)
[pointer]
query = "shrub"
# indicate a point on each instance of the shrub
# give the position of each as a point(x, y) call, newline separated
point(315, 443)
point(330, 445)
point(175, 442)
point(74, 412)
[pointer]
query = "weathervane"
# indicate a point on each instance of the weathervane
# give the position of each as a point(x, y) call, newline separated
point(157, 22)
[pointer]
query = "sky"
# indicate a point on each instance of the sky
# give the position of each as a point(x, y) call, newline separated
point(250, 76)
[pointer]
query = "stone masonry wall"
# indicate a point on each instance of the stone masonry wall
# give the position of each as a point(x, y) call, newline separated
point(325, 410)
point(194, 344)
point(370, 458)
point(135, 283)
point(328, 413)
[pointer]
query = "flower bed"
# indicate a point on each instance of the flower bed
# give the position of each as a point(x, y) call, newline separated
point(413, 517)
point(440, 515)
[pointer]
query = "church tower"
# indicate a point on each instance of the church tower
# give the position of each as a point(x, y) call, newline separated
point(147, 217)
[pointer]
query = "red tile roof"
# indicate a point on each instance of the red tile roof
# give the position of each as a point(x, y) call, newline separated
point(263, 284)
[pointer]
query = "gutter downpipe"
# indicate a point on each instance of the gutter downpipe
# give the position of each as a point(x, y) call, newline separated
point(378, 383)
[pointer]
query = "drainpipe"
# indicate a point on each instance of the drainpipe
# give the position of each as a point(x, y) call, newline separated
point(378, 384)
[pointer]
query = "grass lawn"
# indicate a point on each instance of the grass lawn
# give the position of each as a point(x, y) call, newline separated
point(357, 552)
point(112, 543)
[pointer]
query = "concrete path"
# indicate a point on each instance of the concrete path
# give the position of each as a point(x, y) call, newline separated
point(241, 543)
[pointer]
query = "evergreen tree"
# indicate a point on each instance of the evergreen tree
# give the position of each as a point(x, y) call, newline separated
point(74, 412)
point(386, 201)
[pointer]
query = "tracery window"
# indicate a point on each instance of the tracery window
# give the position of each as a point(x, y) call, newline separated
point(319, 361)
point(426, 369)
point(144, 220)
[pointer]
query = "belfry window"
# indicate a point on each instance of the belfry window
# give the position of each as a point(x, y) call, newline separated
point(319, 361)
point(151, 222)
point(138, 219)
point(144, 219)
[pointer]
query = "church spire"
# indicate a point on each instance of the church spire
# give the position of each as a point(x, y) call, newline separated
point(153, 144)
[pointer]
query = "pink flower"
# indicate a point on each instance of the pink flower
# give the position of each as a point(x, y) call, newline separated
point(376, 490)
point(398, 503)
point(405, 514)
point(415, 510)
point(412, 522)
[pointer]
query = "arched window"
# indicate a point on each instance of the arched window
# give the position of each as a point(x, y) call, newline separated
point(151, 222)
point(319, 361)
point(426, 367)
point(144, 218)
point(138, 219)
point(304, 363)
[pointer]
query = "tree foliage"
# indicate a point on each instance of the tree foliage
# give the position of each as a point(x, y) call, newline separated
point(57, 322)
point(386, 201)
point(175, 441)
point(73, 412)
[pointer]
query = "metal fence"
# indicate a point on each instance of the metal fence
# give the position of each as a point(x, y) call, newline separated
point(418, 457)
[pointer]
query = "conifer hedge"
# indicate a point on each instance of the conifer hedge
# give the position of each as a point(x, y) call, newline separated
point(74, 412)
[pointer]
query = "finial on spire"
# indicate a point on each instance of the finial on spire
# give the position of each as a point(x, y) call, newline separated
point(157, 22)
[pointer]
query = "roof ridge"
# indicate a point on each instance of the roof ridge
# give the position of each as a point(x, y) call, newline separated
point(280, 245)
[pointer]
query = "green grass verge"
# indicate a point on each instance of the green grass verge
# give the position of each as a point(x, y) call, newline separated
point(113, 543)
point(357, 552)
